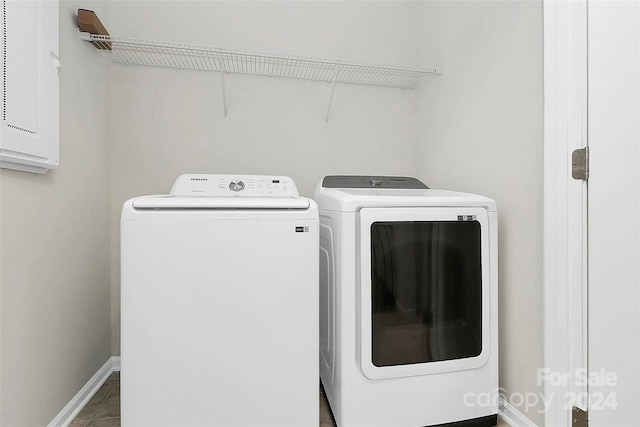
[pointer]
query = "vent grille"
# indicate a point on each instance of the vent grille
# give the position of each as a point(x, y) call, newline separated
point(22, 155)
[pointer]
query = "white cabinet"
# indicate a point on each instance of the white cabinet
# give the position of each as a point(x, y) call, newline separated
point(29, 135)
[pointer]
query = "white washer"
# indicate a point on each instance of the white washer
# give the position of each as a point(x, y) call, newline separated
point(408, 303)
point(220, 305)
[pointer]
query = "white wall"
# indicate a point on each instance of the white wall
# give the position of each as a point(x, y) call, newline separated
point(54, 250)
point(165, 122)
point(481, 131)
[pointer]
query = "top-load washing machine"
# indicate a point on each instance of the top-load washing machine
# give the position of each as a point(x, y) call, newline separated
point(220, 305)
point(408, 303)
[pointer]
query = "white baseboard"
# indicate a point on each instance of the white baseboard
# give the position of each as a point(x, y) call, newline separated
point(69, 412)
point(115, 363)
point(512, 416)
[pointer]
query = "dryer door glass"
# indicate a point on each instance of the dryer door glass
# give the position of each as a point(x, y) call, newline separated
point(426, 291)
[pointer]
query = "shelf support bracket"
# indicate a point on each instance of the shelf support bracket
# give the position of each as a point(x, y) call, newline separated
point(224, 87)
point(333, 91)
point(224, 93)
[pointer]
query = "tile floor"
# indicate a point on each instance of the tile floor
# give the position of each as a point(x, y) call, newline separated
point(103, 410)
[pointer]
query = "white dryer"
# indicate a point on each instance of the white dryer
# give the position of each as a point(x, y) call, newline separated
point(219, 304)
point(408, 303)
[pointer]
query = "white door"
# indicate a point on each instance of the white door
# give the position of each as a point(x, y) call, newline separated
point(614, 213)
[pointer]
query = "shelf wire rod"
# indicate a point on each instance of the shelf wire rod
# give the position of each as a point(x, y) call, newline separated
point(120, 54)
point(147, 57)
point(132, 51)
point(224, 88)
point(333, 90)
point(279, 65)
point(210, 63)
point(133, 56)
point(234, 63)
point(406, 81)
point(302, 69)
point(383, 76)
point(272, 68)
point(294, 68)
point(204, 62)
point(150, 56)
point(223, 59)
point(398, 79)
point(387, 76)
point(376, 76)
point(259, 66)
point(415, 80)
point(184, 61)
point(349, 75)
point(313, 73)
point(308, 70)
point(299, 69)
point(156, 56)
point(194, 59)
point(199, 60)
point(285, 67)
point(361, 76)
point(326, 73)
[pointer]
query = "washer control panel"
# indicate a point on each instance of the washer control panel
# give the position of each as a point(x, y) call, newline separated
point(236, 185)
point(214, 185)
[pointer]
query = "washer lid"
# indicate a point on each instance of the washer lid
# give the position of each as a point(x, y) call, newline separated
point(220, 202)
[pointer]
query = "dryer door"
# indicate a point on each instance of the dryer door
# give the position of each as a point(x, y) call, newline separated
point(424, 290)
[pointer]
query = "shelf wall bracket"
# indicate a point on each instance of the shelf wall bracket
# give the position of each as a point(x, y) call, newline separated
point(224, 94)
point(224, 86)
point(333, 91)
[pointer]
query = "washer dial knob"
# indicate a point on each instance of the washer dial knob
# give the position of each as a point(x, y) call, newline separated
point(236, 185)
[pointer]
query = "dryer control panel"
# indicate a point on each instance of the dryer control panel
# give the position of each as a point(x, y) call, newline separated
point(215, 185)
point(376, 182)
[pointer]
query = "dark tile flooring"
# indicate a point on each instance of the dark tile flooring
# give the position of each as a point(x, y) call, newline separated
point(103, 410)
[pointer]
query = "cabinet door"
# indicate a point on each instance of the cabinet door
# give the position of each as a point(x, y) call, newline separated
point(29, 136)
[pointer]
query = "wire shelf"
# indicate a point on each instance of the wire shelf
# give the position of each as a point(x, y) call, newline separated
point(183, 56)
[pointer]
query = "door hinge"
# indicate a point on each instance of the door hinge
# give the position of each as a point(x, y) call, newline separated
point(580, 164)
point(579, 418)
